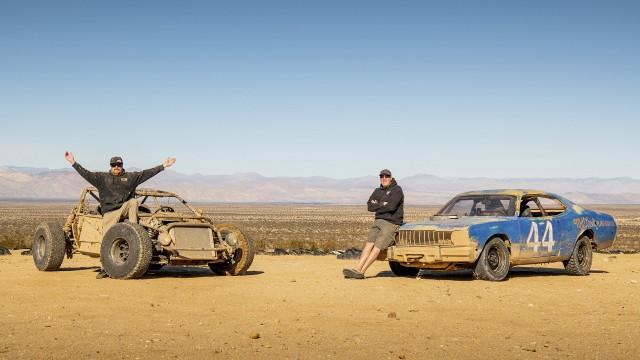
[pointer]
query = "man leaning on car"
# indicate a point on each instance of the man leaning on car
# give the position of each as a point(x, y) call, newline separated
point(387, 201)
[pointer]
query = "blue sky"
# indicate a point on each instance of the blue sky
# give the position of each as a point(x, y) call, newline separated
point(341, 89)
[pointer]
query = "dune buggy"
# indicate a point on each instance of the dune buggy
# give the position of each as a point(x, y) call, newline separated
point(169, 232)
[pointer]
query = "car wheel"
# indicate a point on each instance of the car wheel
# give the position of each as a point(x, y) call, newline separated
point(493, 263)
point(126, 251)
point(242, 256)
point(580, 261)
point(48, 246)
point(400, 270)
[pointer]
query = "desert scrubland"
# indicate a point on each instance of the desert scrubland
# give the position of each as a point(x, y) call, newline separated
point(293, 226)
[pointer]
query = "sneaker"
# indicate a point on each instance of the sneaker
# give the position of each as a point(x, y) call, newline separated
point(352, 274)
point(102, 274)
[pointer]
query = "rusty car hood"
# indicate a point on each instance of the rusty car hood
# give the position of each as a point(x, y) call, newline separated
point(444, 223)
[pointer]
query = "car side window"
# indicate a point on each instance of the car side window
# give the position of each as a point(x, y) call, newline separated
point(551, 206)
point(529, 208)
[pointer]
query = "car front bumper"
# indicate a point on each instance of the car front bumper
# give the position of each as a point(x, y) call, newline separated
point(416, 255)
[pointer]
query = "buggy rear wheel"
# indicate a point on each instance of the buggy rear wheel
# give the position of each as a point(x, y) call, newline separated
point(241, 258)
point(48, 247)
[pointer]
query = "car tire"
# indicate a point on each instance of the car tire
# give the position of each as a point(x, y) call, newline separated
point(580, 261)
point(126, 251)
point(48, 246)
point(493, 263)
point(242, 257)
point(400, 270)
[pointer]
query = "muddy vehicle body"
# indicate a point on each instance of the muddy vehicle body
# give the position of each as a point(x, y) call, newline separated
point(169, 231)
point(493, 230)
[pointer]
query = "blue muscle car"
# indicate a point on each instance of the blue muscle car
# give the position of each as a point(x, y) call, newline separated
point(490, 231)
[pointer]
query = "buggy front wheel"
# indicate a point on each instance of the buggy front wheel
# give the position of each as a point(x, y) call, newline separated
point(243, 253)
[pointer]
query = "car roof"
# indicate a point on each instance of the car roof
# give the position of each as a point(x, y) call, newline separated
point(513, 192)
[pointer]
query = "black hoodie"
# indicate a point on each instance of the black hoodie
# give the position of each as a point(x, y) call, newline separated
point(388, 203)
point(116, 190)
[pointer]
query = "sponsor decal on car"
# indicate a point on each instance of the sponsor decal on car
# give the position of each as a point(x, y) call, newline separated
point(588, 223)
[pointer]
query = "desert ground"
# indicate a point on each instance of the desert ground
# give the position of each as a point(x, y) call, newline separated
point(300, 307)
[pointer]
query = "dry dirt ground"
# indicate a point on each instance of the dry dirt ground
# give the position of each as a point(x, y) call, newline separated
point(301, 307)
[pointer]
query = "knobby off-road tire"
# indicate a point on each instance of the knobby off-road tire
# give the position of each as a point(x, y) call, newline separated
point(242, 257)
point(126, 251)
point(493, 263)
point(48, 247)
point(580, 261)
point(400, 270)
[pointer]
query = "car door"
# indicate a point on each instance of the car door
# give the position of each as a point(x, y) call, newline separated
point(555, 212)
point(537, 233)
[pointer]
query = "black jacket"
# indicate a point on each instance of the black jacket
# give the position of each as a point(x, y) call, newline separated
point(116, 190)
point(388, 203)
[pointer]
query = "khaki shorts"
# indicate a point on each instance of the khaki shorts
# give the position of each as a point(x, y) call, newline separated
point(382, 233)
point(111, 218)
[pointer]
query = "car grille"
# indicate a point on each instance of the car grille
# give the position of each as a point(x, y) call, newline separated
point(423, 237)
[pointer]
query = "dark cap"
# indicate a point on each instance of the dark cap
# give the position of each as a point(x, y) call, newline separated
point(115, 160)
point(385, 172)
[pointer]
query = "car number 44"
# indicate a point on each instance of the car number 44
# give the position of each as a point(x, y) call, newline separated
point(534, 240)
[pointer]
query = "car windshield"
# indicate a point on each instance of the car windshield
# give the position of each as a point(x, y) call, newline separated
point(480, 205)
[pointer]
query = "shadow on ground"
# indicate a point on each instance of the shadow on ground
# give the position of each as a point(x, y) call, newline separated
point(188, 272)
point(525, 271)
point(78, 268)
point(467, 275)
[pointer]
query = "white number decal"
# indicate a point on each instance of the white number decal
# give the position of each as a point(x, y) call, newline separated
point(547, 237)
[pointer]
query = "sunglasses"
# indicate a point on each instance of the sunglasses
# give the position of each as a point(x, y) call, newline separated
point(385, 176)
point(116, 165)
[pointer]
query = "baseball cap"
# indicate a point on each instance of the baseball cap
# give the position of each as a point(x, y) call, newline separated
point(115, 160)
point(385, 172)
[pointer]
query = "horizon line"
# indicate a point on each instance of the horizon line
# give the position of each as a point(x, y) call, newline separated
point(346, 178)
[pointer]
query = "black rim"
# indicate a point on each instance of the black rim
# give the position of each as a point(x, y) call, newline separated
point(583, 254)
point(119, 251)
point(494, 259)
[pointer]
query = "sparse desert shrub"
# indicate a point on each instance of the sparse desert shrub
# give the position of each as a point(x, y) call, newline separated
point(288, 226)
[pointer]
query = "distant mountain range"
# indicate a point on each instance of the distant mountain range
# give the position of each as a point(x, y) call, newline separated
point(66, 184)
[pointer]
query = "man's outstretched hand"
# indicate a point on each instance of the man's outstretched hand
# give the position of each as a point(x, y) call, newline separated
point(69, 157)
point(168, 162)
